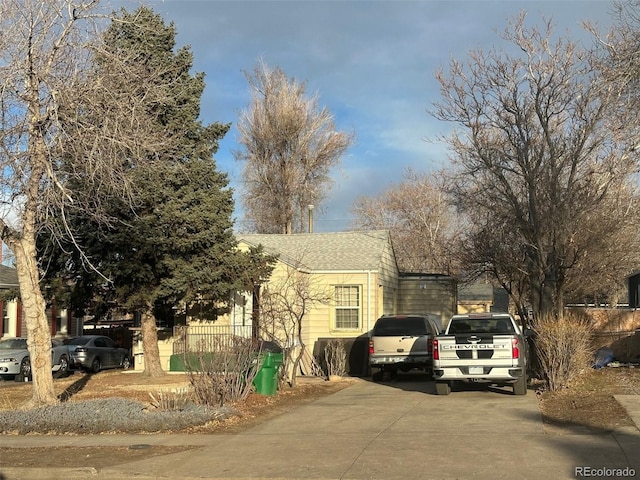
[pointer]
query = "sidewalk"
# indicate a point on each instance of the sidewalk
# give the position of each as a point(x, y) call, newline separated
point(397, 430)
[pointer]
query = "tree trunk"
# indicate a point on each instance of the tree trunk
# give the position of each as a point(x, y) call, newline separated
point(150, 350)
point(296, 364)
point(38, 333)
point(300, 356)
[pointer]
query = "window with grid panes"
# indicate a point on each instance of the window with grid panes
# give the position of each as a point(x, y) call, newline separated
point(347, 302)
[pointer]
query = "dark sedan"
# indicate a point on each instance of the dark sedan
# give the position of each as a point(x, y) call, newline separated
point(96, 352)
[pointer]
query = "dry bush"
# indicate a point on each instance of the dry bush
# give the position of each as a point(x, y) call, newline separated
point(563, 348)
point(222, 369)
point(176, 399)
point(335, 356)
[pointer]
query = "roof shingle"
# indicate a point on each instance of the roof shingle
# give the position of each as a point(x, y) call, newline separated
point(336, 251)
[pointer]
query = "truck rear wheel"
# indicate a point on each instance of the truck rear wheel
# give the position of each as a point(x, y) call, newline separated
point(443, 388)
point(520, 387)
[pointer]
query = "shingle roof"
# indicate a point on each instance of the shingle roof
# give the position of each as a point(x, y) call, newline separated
point(8, 277)
point(338, 251)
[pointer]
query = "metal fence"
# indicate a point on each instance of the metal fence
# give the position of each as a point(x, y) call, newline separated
point(601, 339)
point(200, 338)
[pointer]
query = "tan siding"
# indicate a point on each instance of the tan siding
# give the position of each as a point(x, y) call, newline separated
point(389, 282)
point(428, 295)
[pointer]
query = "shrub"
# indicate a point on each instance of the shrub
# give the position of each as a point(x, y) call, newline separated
point(563, 348)
point(175, 399)
point(335, 357)
point(222, 370)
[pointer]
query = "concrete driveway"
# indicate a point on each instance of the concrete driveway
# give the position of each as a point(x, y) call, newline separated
point(390, 430)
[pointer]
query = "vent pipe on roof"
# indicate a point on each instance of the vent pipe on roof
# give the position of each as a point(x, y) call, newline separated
point(310, 207)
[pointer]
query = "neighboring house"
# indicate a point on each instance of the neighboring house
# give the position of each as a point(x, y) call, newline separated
point(12, 323)
point(475, 297)
point(633, 286)
point(482, 297)
point(11, 309)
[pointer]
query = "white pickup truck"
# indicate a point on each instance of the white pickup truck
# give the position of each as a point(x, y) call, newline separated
point(481, 347)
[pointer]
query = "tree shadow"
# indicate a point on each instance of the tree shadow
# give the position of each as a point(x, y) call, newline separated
point(589, 447)
point(74, 388)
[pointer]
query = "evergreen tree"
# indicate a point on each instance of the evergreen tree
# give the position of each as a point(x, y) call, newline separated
point(170, 243)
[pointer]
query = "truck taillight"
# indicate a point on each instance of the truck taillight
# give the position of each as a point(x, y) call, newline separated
point(370, 347)
point(515, 349)
point(434, 346)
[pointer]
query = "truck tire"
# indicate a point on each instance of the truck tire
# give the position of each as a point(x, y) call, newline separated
point(443, 388)
point(520, 387)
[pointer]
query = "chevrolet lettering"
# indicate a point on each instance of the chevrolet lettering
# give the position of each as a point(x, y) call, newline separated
point(475, 346)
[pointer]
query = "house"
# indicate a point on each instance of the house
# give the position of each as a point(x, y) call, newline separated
point(354, 279)
point(347, 280)
point(12, 322)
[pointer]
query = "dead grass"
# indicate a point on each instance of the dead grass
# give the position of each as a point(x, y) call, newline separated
point(589, 403)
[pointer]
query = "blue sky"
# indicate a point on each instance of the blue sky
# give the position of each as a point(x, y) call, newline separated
point(372, 64)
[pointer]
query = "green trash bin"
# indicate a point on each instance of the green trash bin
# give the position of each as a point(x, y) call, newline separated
point(266, 380)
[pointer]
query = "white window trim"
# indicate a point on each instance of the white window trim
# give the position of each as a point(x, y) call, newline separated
point(349, 307)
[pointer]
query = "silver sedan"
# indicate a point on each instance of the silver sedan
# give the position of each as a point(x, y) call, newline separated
point(97, 352)
point(15, 362)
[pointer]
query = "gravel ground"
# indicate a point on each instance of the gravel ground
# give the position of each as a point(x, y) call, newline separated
point(113, 415)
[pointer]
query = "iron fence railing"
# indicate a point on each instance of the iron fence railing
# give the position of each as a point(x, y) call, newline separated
point(197, 338)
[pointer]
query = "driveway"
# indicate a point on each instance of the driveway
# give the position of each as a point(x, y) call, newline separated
point(391, 430)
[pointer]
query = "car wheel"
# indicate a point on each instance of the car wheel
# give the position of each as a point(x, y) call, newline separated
point(126, 362)
point(63, 371)
point(443, 388)
point(377, 375)
point(95, 365)
point(25, 371)
point(520, 387)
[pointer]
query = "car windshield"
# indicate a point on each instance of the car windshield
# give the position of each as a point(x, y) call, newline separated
point(78, 341)
point(395, 327)
point(13, 344)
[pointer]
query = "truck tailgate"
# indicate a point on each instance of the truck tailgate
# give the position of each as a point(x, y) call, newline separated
point(414, 345)
point(465, 349)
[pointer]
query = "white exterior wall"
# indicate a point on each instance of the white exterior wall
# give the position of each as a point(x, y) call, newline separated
point(11, 320)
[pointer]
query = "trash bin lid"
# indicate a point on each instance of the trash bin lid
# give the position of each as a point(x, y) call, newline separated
point(268, 346)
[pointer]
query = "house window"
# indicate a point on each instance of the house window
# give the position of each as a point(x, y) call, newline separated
point(347, 301)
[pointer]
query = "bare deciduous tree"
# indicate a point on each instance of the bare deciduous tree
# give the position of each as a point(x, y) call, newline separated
point(535, 160)
point(420, 219)
point(619, 62)
point(288, 144)
point(42, 53)
point(284, 307)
